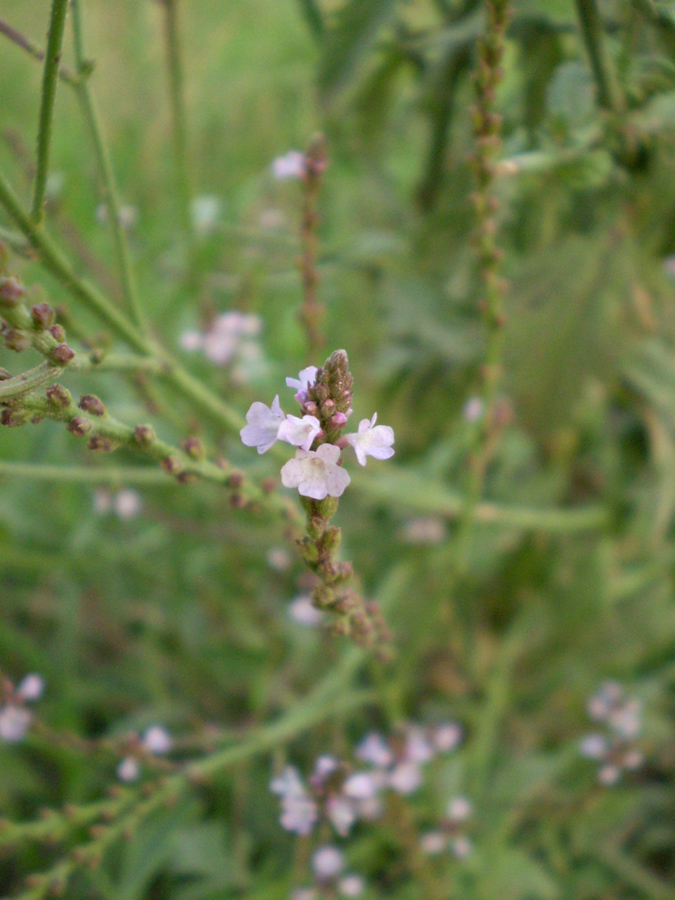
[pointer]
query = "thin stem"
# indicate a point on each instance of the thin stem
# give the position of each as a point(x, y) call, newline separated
point(16, 37)
point(108, 185)
point(49, 81)
point(61, 268)
point(178, 117)
point(29, 381)
point(312, 311)
point(609, 94)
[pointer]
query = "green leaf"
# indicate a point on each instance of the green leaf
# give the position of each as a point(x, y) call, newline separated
point(357, 25)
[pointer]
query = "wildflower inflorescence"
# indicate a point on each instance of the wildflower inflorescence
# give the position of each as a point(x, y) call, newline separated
point(325, 399)
point(616, 749)
point(15, 717)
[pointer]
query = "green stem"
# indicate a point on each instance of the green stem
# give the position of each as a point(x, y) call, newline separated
point(108, 185)
point(178, 118)
point(49, 81)
point(58, 265)
point(609, 94)
point(28, 381)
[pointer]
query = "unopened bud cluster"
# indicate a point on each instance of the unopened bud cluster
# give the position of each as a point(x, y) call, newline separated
point(23, 325)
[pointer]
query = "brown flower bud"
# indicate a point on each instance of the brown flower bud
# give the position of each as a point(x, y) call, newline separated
point(42, 315)
point(12, 418)
point(57, 332)
point(100, 443)
point(172, 465)
point(58, 396)
point(79, 426)
point(62, 354)
point(12, 292)
point(194, 448)
point(16, 340)
point(91, 404)
point(145, 435)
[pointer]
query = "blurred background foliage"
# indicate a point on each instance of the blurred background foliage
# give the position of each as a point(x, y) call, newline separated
point(179, 615)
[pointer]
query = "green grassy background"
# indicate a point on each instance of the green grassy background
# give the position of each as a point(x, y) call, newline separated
point(178, 616)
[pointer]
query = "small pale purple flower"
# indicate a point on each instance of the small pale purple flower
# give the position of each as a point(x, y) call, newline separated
point(262, 426)
point(372, 440)
point(316, 474)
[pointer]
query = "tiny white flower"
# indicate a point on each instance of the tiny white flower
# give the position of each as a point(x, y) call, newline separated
point(298, 814)
point(127, 504)
point(219, 346)
point(303, 611)
point(433, 842)
point(633, 759)
point(156, 740)
point(360, 786)
point(287, 783)
point(262, 425)
point(459, 809)
point(462, 847)
point(205, 211)
point(14, 723)
point(323, 767)
point(447, 736)
point(375, 750)
point(594, 746)
point(626, 720)
point(609, 775)
point(405, 778)
point(102, 501)
point(315, 473)
point(372, 440)
point(191, 340)
point(128, 769)
point(327, 863)
point(351, 886)
point(291, 165)
point(473, 409)
point(417, 747)
point(305, 378)
point(299, 432)
point(279, 559)
point(30, 688)
point(341, 814)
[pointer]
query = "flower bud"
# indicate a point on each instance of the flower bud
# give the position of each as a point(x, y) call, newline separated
point(12, 418)
point(62, 354)
point(100, 443)
point(91, 404)
point(42, 315)
point(145, 435)
point(338, 420)
point(58, 396)
point(171, 465)
point(12, 292)
point(328, 407)
point(194, 448)
point(57, 332)
point(79, 426)
point(16, 340)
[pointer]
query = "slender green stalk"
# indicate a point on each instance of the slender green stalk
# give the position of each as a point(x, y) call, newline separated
point(108, 185)
point(58, 265)
point(16, 37)
point(609, 94)
point(49, 81)
point(29, 381)
point(178, 117)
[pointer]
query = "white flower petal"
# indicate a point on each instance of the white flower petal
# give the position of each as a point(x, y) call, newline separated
point(291, 165)
point(372, 440)
point(262, 425)
point(305, 378)
point(327, 863)
point(299, 432)
point(315, 473)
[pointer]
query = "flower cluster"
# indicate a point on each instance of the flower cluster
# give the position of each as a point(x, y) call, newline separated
point(616, 748)
point(325, 398)
point(125, 504)
point(155, 741)
point(342, 796)
point(230, 340)
point(15, 718)
point(450, 834)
